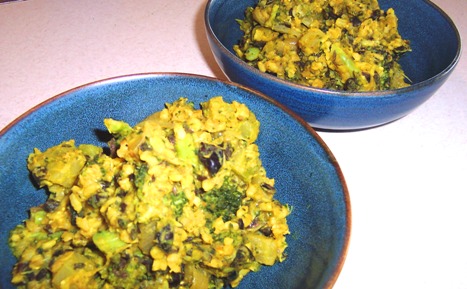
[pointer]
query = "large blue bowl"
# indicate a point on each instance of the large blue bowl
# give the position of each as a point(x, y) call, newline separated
point(436, 48)
point(307, 175)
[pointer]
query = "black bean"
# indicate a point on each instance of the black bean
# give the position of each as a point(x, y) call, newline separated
point(113, 148)
point(241, 225)
point(212, 157)
point(41, 274)
point(50, 205)
point(232, 275)
point(351, 84)
point(105, 184)
point(169, 236)
point(175, 279)
point(356, 22)
point(58, 253)
point(268, 188)
point(266, 231)
point(328, 13)
point(21, 267)
point(367, 76)
point(30, 276)
point(376, 14)
point(123, 207)
point(145, 147)
point(201, 178)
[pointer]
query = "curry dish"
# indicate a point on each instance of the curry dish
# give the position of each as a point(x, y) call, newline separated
point(181, 200)
point(349, 45)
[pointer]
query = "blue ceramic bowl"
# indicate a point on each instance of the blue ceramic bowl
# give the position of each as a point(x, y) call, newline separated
point(436, 49)
point(307, 175)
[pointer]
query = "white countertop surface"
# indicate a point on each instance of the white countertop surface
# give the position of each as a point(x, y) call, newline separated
point(407, 180)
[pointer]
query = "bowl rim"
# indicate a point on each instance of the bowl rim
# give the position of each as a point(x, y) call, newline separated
point(146, 75)
point(338, 93)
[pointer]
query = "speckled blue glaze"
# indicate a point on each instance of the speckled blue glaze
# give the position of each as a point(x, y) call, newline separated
point(436, 49)
point(307, 176)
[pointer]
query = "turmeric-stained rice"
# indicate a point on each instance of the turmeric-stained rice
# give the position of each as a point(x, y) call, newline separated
point(180, 201)
point(349, 45)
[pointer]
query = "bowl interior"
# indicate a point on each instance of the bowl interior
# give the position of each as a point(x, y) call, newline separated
point(307, 176)
point(433, 36)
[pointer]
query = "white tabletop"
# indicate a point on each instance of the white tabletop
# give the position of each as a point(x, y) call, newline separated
point(406, 179)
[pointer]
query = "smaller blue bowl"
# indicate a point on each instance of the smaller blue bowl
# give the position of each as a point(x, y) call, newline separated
point(436, 49)
point(307, 175)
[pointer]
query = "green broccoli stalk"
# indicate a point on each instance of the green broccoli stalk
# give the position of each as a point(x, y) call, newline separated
point(223, 202)
point(108, 242)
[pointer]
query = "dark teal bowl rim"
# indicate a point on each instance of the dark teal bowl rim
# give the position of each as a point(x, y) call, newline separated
point(336, 93)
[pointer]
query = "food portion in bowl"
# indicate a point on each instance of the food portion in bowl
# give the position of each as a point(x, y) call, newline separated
point(334, 44)
point(180, 200)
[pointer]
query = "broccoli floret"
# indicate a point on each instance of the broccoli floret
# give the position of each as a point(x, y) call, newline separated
point(223, 202)
point(119, 129)
point(141, 171)
point(176, 201)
